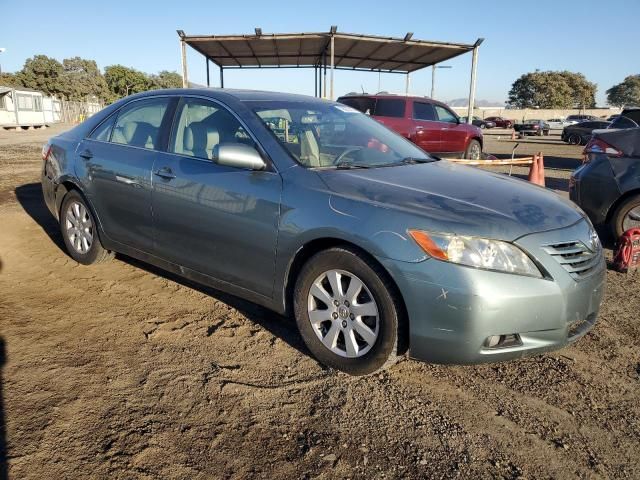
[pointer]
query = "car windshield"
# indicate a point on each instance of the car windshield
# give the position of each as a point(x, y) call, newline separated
point(330, 135)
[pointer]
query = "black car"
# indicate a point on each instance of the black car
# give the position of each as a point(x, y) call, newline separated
point(607, 185)
point(532, 127)
point(580, 118)
point(580, 133)
point(479, 122)
point(629, 118)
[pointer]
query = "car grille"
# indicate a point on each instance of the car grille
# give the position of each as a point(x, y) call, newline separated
point(575, 257)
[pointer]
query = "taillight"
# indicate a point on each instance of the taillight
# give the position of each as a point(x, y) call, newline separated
point(46, 150)
point(596, 145)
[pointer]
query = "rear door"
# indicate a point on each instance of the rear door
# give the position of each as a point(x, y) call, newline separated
point(427, 130)
point(217, 220)
point(392, 112)
point(115, 164)
point(453, 135)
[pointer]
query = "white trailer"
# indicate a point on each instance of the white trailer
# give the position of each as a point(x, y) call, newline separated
point(24, 108)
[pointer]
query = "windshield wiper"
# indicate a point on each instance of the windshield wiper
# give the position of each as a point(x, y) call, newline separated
point(411, 160)
point(348, 165)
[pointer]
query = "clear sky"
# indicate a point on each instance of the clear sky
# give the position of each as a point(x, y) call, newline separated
point(596, 37)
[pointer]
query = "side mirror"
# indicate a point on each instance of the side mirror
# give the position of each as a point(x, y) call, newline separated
point(238, 155)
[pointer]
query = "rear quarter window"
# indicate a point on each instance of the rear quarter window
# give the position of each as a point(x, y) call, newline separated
point(363, 104)
point(389, 107)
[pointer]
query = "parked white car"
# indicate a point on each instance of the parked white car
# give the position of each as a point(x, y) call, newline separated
point(560, 123)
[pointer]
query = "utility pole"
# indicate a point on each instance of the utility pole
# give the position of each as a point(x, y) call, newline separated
point(433, 78)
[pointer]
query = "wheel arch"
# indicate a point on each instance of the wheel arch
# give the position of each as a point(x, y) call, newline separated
point(306, 251)
point(619, 201)
point(67, 185)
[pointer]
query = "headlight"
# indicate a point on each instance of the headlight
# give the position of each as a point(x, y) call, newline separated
point(476, 252)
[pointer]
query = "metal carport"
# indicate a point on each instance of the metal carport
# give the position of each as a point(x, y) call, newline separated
point(324, 51)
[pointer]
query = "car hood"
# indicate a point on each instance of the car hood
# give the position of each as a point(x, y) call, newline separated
point(453, 198)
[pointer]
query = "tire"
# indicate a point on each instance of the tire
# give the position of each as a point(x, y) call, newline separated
point(377, 347)
point(483, 126)
point(83, 243)
point(473, 148)
point(546, 133)
point(620, 213)
point(574, 139)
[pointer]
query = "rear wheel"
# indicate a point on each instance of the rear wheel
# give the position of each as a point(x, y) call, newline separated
point(79, 231)
point(347, 312)
point(626, 216)
point(474, 150)
point(574, 139)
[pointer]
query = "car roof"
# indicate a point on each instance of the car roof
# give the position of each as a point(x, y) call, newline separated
point(238, 94)
point(399, 97)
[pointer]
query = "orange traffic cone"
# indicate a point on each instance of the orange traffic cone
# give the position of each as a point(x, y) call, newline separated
point(541, 169)
point(533, 171)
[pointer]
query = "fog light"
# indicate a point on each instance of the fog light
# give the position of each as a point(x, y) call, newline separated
point(503, 341)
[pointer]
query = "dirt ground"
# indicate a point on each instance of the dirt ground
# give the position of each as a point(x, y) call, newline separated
point(123, 371)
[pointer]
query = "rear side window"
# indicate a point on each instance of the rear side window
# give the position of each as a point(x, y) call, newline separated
point(362, 104)
point(623, 122)
point(445, 115)
point(138, 124)
point(423, 111)
point(389, 107)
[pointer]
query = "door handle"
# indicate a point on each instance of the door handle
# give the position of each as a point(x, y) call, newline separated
point(127, 180)
point(165, 172)
point(86, 154)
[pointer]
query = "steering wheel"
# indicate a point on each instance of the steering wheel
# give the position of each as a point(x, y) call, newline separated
point(346, 152)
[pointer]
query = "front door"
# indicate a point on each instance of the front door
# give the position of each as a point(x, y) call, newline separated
point(115, 164)
point(217, 220)
point(453, 135)
point(427, 130)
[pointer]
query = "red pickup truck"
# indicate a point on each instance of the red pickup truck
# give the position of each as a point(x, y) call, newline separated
point(431, 125)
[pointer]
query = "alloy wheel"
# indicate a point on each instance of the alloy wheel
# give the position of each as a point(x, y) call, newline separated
point(631, 219)
point(79, 227)
point(343, 313)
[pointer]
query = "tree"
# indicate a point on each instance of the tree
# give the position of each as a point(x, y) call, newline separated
point(82, 79)
point(42, 73)
point(9, 80)
point(552, 90)
point(166, 79)
point(625, 93)
point(123, 81)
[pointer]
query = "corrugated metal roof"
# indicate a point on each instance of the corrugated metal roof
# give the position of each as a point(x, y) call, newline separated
point(351, 51)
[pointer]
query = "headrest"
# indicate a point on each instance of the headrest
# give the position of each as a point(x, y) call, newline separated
point(200, 138)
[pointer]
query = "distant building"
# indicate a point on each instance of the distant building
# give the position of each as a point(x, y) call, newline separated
point(23, 107)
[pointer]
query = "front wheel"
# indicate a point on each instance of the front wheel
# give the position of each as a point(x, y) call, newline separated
point(347, 312)
point(80, 231)
point(474, 150)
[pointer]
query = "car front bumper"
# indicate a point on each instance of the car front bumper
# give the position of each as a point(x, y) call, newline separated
point(453, 309)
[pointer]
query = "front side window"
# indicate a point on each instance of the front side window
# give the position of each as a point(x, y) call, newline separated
point(202, 125)
point(138, 124)
point(423, 111)
point(326, 135)
point(445, 115)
